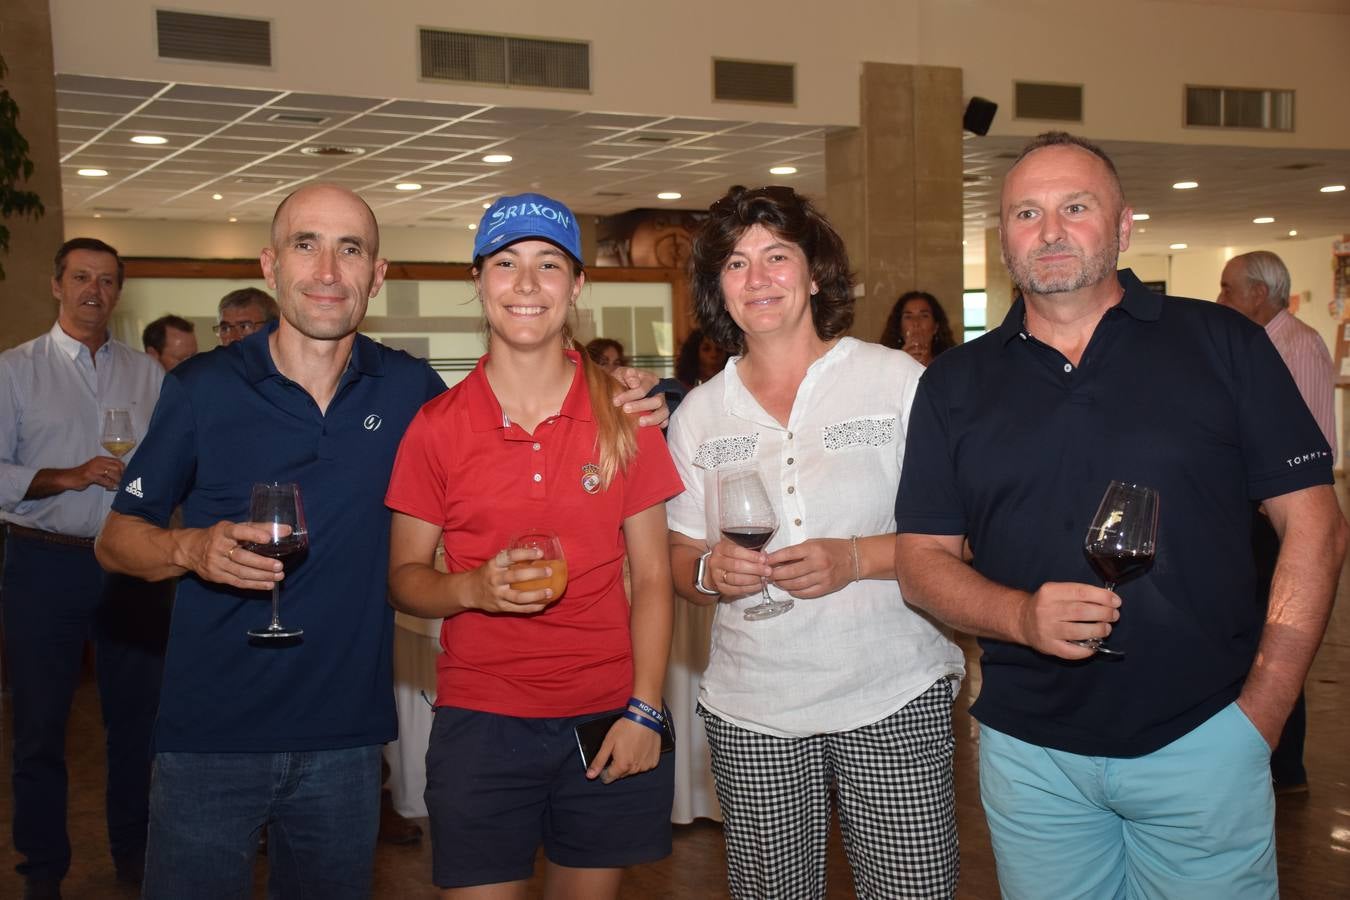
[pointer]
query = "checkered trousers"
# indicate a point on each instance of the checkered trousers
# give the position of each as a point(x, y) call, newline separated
point(893, 783)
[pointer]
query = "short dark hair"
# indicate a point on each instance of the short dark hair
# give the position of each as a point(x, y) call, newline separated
point(790, 217)
point(1064, 139)
point(155, 334)
point(596, 348)
point(250, 296)
point(86, 243)
point(893, 334)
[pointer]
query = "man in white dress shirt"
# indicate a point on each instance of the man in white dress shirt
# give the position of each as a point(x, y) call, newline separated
point(56, 486)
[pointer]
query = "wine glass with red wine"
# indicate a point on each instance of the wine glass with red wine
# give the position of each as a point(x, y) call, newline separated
point(746, 517)
point(277, 507)
point(1121, 540)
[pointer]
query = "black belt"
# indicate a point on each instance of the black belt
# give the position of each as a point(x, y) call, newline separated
point(48, 537)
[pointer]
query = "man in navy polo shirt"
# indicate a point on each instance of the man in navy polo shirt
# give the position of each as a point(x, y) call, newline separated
point(1143, 775)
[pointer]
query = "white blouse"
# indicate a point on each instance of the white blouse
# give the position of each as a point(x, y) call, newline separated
point(850, 658)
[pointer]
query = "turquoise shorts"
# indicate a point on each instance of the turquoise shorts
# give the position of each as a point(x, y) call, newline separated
point(1193, 820)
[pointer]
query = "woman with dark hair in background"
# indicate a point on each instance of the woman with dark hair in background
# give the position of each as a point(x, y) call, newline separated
point(846, 696)
point(918, 325)
point(699, 360)
point(606, 353)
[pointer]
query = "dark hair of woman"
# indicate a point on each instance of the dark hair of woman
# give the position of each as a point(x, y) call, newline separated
point(596, 350)
point(893, 335)
point(790, 217)
point(688, 365)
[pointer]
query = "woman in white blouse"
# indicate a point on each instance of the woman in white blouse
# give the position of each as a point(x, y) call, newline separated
point(847, 696)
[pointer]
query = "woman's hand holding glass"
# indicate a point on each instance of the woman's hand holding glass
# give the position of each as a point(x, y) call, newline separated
point(629, 749)
point(736, 572)
point(496, 580)
point(813, 568)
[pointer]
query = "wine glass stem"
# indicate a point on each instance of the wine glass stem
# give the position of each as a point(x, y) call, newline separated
point(1110, 585)
point(276, 598)
point(764, 588)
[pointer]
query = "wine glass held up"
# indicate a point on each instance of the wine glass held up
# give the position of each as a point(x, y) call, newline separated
point(118, 437)
point(277, 508)
point(1121, 541)
point(747, 518)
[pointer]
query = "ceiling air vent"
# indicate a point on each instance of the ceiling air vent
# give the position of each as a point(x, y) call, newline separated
point(754, 82)
point(1055, 102)
point(506, 61)
point(298, 118)
point(223, 39)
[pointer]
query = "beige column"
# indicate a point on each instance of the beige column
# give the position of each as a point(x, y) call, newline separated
point(893, 190)
point(998, 286)
point(26, 305)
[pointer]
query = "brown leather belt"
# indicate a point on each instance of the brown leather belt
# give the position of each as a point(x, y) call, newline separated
point(48, 537)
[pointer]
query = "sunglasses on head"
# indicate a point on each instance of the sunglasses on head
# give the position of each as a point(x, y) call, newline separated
point(775, 192)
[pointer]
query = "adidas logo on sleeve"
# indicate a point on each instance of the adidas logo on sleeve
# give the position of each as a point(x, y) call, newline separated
point(135, 490)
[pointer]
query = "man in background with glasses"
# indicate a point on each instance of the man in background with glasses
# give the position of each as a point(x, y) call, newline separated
point(243, 312)
point(56, 485)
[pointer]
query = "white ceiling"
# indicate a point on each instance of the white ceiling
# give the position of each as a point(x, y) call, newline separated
point(245, 144)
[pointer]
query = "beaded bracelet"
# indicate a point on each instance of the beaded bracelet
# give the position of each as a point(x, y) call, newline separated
point(644, 721)
point(655, 714)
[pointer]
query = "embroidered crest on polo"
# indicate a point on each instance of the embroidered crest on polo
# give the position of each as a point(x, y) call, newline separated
point(135, 489)
point(590, 478)
point(373, 422)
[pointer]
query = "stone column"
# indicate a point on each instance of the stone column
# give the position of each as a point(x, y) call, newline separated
point(893, 190)
point(26, 305)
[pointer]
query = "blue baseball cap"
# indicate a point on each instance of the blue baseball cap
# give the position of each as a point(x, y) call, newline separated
point(527, 216)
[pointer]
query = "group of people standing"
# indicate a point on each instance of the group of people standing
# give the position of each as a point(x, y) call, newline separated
point(903, 501)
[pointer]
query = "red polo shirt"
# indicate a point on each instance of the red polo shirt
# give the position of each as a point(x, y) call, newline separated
point(482, 482)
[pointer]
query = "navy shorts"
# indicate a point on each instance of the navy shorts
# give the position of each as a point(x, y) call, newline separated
point(499, 787)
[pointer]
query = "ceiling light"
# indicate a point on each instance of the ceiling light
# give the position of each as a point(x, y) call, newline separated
point(217, 196)
point(407, 186)
point(234, 218)
point(1176, 246)
point(1293, 232)
point(148, 139)
point(497, 158)
point(783, 170)
point(92, 173)
point(1185, 185)
point(331, 150)
point(1263, 220)
point(1140, 217)
point(473, 226)
point(98, 215)
point(1332, 189)
point(669, 195)
point(487, 204)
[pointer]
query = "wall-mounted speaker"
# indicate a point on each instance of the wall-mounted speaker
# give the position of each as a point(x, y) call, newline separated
point(979, 115)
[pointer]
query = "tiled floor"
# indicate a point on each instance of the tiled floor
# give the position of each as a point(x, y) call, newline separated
point(1313, 829)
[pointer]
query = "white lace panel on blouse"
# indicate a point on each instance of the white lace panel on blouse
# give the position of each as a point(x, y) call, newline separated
point(870, 431)
point(725, 451)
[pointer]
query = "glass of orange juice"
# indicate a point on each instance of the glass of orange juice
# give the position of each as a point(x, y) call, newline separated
point(551, 555)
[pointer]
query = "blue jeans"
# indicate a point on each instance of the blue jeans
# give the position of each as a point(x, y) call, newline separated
point(54, 599)
point(321, 809)
point(1194, 819)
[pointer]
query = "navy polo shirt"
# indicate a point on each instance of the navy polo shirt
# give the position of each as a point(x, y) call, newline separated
point(1013, 447)
point(225, 420)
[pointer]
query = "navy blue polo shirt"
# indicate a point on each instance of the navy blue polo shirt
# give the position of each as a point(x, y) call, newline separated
point(225, 420)
point(1013, 447)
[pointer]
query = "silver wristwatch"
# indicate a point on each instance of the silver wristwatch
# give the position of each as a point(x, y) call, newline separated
point(698, 576)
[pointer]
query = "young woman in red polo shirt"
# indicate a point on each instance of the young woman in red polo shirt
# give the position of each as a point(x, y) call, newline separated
point(531, 440)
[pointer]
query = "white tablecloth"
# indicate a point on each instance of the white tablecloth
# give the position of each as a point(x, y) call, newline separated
point(695, 793)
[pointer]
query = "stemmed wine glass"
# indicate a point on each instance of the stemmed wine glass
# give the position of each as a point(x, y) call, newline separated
point(118, 436)
point(276, 506)
point(1121, 540)
point(746, 517)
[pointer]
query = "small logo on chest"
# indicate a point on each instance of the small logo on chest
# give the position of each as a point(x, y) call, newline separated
point(373, 422)
point(590, 478)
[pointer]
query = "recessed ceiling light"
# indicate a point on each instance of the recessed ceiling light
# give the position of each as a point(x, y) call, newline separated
point(487, 204)
point(783, 170)
point(148, 139)
point(92, 173)
point(331, 150)
point(407, 186)
point(1176, 246)
point(1293, 232)
point(98, 215)
point(1263, 220)
point(1185, 185)
point(669, 195)
point(1140, 217)
point(1332, 189)
point(497, 158)
point(234, 218)
point(473, 226)
point(217, 196)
